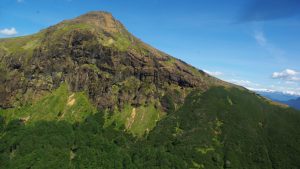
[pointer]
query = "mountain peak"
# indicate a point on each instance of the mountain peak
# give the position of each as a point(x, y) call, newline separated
point(94, 52)
point(96, 14)
point(101, 20)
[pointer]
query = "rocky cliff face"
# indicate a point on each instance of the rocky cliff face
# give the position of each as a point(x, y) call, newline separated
point(96, 54)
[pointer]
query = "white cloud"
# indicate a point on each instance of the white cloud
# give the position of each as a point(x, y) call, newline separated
point(245, 83)
point(260, 38)
point(283, 86)
point(293, 92)
point(8, 31)
point(295, 78)
point(272, 89)
point(290, 83)
point(214, 73)
point(261, 90)
point(20, 1)
point(287, 74)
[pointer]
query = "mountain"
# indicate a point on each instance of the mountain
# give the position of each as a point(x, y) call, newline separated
point(284, 98)
point(277, 96)
point(85, 93)
point(294, 103)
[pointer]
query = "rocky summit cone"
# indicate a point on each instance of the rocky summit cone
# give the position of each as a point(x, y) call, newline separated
point(85, 93)
point(101, 20)
point(95, 53)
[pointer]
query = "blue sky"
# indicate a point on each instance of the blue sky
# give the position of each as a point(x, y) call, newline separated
point(254, 43)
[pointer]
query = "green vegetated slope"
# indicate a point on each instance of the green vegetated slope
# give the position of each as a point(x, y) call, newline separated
point(61, 104)
point(138, 121)
point(231, 129)
point(220, 128)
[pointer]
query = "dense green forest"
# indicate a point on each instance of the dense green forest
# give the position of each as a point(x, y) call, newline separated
point(220, 128)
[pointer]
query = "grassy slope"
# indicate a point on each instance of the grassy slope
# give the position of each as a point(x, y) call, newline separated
point(138, 121)
point(61, 104)
point(20, 44)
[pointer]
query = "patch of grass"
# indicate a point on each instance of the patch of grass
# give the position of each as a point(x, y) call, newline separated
point(96, 70)
point(92, 67)
point(59, 31)
point(54, 106)
point(145, 120)
point(118, 118)
point(21, 47)
point(205, 150)
point(197, 166)
point(136, 120)
point(130, 84)
point(121, 42)
point(72, 26)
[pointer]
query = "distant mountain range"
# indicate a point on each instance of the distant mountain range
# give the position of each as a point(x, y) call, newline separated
point(285, 98)
point(294, 103)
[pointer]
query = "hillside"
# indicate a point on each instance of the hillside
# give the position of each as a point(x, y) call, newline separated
point(85, 93)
